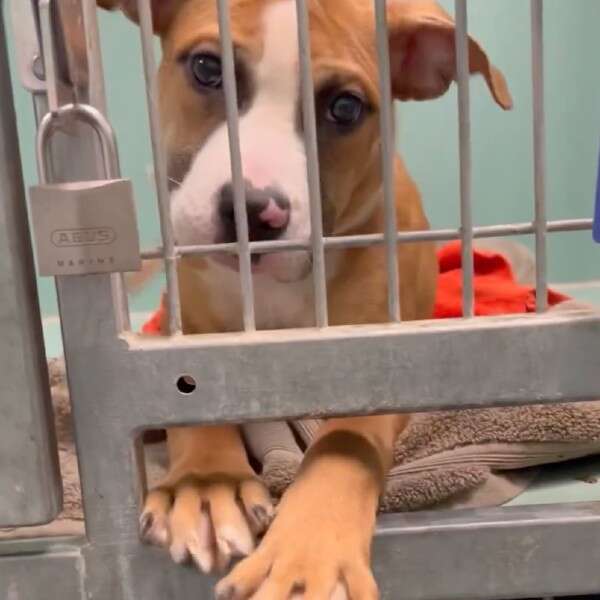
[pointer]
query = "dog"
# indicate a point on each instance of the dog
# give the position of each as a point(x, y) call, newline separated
point(211, 507)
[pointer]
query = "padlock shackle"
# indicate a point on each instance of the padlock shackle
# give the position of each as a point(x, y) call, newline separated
point(86, 114)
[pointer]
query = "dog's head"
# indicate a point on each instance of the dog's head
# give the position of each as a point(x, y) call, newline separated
point(345, 73)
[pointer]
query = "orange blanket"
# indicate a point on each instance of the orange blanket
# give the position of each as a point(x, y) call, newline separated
point(496, 291)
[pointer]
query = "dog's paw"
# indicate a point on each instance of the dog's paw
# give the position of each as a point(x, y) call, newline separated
point(288, 566)
point(317, 547)
point(207, 519)
point(286, 577)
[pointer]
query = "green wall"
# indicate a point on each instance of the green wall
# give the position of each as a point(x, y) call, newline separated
point(502, 142)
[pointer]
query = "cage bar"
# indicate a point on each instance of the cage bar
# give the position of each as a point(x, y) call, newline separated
point(160, 167)
point(387, 160)
point(29, 471)
point(121, 302)
point(464, 135)
point(47, 40)
point(237, 176)
point(312, 163)
point(539, 154)
point(403, 237)
point(96, 87)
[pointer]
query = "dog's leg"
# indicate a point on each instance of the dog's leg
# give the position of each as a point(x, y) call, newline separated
point(210, 505)
point(322, 533)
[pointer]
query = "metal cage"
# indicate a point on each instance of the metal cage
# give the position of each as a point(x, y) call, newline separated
point(121, 383)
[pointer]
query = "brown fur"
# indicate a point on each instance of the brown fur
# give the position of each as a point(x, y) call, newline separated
point(323, 529)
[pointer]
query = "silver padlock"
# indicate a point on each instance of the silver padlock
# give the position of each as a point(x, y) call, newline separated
point(84, 227)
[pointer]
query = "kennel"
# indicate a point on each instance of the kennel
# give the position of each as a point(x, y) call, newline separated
point(121, 383)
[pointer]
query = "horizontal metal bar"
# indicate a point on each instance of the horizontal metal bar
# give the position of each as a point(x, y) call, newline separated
point(230, 248)
point(358, 241)
point(54, 572)
point(411, 367)
point(490, 554)
point(481, 554)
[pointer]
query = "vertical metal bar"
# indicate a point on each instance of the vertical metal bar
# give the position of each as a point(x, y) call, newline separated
point(96, 96)
point(464, 120)
point(387, 160)
point(96, 91)
point(312, 161)
point(235, 156)
point(120, 302)
point(160, 166)
point(112, 169)
point(45, 19)
point(539, 154)
point(30, 480)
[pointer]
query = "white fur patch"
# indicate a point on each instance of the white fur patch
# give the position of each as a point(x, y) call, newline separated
point(271, 149)
point(272, 155)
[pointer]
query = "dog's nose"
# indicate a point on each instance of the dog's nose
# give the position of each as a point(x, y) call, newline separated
point(268, 212)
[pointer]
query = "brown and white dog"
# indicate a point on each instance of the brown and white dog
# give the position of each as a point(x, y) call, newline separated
point(211, 506)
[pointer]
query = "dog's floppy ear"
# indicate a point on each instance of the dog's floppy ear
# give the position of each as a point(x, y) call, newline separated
point(162, 10)
point(423, 53)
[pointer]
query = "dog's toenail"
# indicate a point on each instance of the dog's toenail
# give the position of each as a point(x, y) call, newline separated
point(146, 522)
point(229, 547)
point(260, 514)
point(179, 554)
point(226, 594)
point(299, 587)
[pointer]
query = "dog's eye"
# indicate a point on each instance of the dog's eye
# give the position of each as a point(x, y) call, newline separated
point(206, 70)
point(346, 109)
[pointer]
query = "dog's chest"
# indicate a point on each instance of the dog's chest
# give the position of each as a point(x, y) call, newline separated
point(276, 305)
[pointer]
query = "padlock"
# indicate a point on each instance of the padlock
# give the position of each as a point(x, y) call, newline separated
point(84, 227)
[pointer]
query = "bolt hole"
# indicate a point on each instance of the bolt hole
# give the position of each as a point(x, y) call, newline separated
point(186, 384)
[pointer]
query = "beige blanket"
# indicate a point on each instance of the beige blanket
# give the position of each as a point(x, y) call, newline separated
point(467, 458)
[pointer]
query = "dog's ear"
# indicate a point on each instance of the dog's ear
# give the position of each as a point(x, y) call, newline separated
point(423, 53)
point(162, 11)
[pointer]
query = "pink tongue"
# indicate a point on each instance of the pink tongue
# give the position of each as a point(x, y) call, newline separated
point(273, 215)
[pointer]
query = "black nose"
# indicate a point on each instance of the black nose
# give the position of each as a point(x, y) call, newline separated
point(268, 212)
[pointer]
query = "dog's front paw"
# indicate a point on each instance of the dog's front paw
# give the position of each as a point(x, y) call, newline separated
point(207, 518)
point(295, 576)
point(318, 546)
